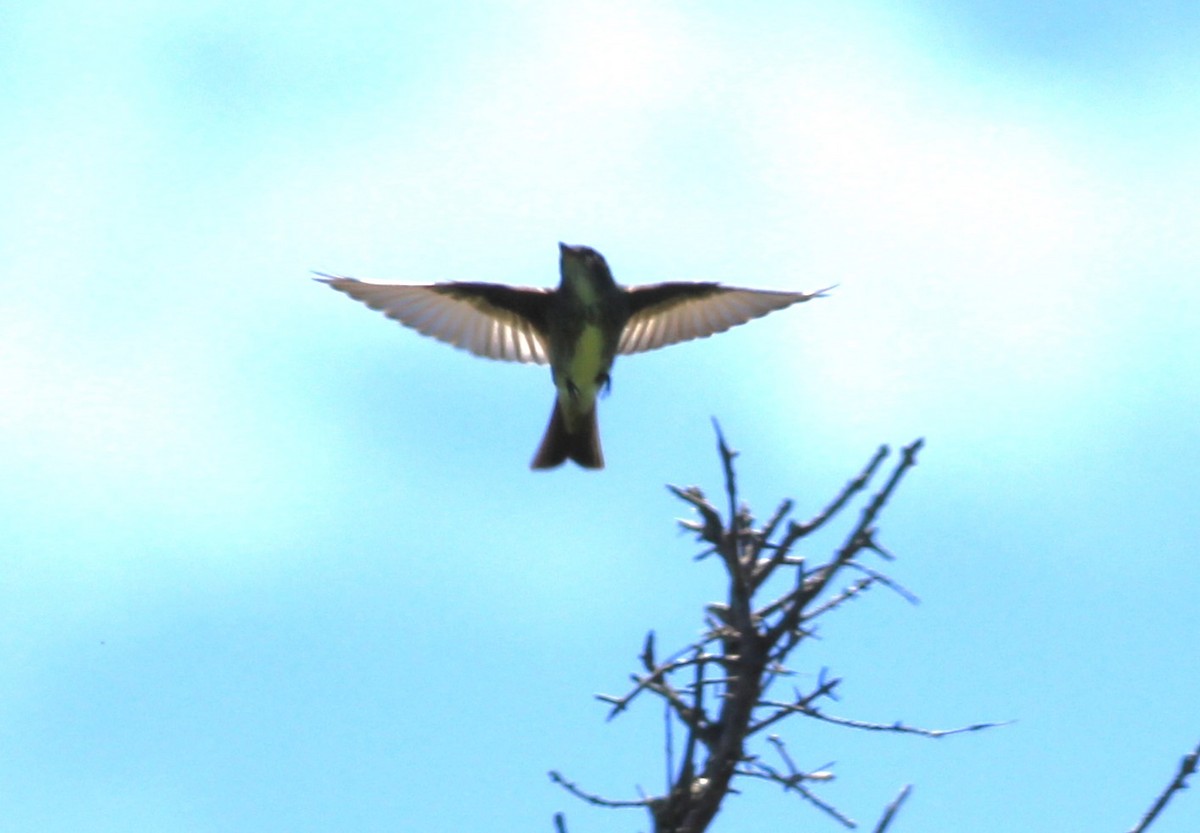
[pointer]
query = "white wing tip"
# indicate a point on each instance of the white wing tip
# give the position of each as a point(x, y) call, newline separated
point(325, 277)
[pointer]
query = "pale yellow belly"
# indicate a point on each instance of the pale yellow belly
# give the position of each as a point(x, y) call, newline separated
point(585, 367)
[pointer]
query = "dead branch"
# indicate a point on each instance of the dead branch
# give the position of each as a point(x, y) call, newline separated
point(745, 646)
point(890, 811)
point(1187, 767)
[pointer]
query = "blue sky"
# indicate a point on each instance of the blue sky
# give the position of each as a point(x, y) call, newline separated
point(270, 562)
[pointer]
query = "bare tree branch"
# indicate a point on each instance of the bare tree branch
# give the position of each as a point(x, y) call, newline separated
point(792, 784)
point(898, 727)
point(598, 800)
point(850, 490)
point(803, 705)
point(1187, 767)
point(723, 701)
point(890, 812)
point(890, 583)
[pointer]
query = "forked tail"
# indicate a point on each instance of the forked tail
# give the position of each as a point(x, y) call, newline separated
point(559, 444)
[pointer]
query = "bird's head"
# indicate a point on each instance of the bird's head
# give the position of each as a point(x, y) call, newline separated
point(582, 263)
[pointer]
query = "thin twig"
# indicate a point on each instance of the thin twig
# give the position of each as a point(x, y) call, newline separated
point(897, 727)
point(648, 652)
point(712, 528)
point(727, 455)
point(848, 491)
point(769, 527)
point(1186, 768)
point(887, 582)
point(730, 546)
point(654, 679)
point(793, 784)
point(591, 798)
point(857, 587)
point(802, 705)
point(890, 812)
point(860, 536)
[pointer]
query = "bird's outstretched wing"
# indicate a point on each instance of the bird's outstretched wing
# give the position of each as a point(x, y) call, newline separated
point(668, 313)
point(490, 320)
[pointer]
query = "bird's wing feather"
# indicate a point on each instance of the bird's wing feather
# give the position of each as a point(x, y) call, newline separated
point(668, 313)
point(490, 320)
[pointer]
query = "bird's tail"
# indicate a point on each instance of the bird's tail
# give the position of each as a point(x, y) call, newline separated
point(583, 446)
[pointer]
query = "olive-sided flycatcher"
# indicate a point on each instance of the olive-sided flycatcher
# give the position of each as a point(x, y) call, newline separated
point(578, 329)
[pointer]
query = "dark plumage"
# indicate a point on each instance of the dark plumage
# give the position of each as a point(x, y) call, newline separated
point(577, 329)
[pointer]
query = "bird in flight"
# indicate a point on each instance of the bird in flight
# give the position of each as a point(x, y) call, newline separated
point(578, 329)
